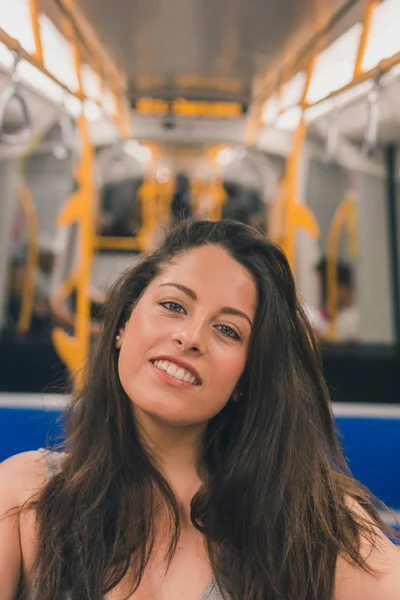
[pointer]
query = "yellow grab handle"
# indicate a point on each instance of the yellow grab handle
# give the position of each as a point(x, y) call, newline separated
point(28, 296)
point(72, 210)
point(345, 216)
point(72, 353)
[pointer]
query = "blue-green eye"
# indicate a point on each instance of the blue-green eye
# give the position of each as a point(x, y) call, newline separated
point(229, 332)
point(172, 306)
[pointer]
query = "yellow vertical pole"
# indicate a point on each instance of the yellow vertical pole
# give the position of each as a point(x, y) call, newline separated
point(367, 20)
point(147, 196)
point(196, 191)
point(123, 118)
point(289, 197)
point(165, 196)
point(219, 197)
point(28, 297)
point(80, 208)
point(34, 12)
point(344, 217)
point(294, 214)
point(86, 240)
point(261, 86)
point(82, 325)
point(31, 218)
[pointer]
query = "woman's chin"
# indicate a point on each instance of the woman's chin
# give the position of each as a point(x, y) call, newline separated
point(165, 413)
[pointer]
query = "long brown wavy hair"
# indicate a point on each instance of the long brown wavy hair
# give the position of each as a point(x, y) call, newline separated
point(274, 508)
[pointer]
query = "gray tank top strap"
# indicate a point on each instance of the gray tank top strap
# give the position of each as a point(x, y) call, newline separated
point(52, 462)
point(212, 592)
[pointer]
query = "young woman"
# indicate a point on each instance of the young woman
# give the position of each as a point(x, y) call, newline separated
point(201, 460)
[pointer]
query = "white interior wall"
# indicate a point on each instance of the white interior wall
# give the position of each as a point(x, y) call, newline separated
point(7, 214)
point(374, 293)
point(325, 189)
point(50, 182)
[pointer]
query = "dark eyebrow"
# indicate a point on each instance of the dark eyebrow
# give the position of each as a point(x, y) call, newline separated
point(183, 289)
point(227, 310)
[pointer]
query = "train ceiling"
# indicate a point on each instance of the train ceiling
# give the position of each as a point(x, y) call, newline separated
point(211, 48)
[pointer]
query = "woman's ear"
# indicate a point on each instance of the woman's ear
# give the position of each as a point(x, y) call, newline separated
point(119, 338)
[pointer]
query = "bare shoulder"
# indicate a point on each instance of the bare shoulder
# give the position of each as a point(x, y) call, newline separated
point(383, 557)
point(22, 476)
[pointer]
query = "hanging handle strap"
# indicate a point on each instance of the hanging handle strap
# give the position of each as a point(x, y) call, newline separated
point(332, 138)
point(371, 132)
point(64, 147)
point(13, 93)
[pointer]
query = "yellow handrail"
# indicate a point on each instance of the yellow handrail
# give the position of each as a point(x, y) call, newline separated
point(67, 287)
point(214, 190)
point(263, 91)
point(196, 187)
point(96, 55)
point(345, 216)
point(293, 215)
point(29, 288)
point(218, 199)
point(367, 21)
point(34, 11)
point(148, 198)
point(30, 213)
point(117, 243)
point(80, 208)
point(74, 349)
point(15, 46)
point(165, 193)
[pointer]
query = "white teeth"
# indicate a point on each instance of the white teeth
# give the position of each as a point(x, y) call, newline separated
point(175, 371)
point(180, 374)
point(172, 369)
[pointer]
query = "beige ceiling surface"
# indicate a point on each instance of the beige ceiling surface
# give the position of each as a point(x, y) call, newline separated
point(172, 44)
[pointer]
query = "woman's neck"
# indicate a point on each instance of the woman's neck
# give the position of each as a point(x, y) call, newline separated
point(176, 449)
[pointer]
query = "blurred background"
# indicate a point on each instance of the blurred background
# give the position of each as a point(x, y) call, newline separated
point(118, 119)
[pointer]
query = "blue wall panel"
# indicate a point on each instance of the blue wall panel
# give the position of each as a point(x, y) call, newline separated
point(372, 450)
point(23, 429)
point(371, 444)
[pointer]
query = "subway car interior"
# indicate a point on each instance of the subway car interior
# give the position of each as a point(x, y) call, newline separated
point(118, 119)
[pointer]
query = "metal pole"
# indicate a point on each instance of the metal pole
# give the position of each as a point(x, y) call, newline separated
point(394, 248)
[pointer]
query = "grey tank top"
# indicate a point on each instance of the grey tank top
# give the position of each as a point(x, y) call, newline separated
point(53, 463)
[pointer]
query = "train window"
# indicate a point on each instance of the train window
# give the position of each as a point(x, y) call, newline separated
point(244, 204)
point(350, 207)
point(120, 208)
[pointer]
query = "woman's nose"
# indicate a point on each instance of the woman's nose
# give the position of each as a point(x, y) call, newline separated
point(189, 339)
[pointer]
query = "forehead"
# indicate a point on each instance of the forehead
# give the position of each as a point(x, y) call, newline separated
point(214, 276)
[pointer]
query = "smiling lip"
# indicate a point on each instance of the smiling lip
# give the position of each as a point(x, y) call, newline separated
point(180, 363)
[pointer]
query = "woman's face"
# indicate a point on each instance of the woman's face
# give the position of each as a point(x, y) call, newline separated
point(185, 344)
